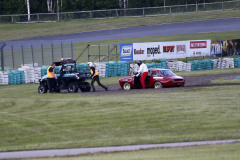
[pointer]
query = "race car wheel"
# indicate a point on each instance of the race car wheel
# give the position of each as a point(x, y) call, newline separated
point(72, 87)
point(85, 87)
point(157, 85)
point(126, 86)
point(42, 89)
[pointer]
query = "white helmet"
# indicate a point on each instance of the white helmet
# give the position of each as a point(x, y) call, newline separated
point(90, 64)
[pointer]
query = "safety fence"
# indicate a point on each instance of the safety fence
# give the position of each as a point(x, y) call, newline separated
point(29, 74)
point(41, 54)
point(149, 11)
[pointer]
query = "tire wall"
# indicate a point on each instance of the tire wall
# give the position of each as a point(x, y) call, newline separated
point(31, 74)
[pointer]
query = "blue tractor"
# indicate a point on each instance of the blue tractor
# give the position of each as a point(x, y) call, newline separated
point(68, 78)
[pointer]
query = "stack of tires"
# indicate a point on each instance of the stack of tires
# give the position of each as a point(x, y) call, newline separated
point(101, 68)
point(16, 77)
point(83, 67)
point(122, 68)
point(3, 78)
point(237, 62)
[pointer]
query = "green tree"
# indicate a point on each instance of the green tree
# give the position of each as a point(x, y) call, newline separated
point(13, 7)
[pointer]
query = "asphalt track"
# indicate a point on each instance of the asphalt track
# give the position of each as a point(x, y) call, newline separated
point(213, 25)
point(82, 151)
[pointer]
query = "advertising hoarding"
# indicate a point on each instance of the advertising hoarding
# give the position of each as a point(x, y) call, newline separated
point(126, 52)
point(225, 48)
point(167, 50)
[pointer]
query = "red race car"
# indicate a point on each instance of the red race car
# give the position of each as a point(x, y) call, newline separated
point(157, 78)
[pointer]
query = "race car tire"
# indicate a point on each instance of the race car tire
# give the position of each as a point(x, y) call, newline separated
point(42, 89)
point(126, 86)
point(157, 85)
point(85, 87)
point(72, 87)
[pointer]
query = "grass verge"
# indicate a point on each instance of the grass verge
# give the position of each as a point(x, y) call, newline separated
point(224, 81)
point(32, 121)
point(19, 31)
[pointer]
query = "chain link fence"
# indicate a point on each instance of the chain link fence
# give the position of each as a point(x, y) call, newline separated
point(43, 55)
point(150, 11)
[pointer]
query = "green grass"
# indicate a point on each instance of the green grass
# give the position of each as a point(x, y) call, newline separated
point(213, 152)
point(224, 81)
point(19, 31)
point(32, 121)
point(208, 72)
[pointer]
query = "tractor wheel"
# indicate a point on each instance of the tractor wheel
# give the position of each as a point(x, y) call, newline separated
point(126, 86)
point(42, 89)
point(72, 87)
point(157, 85)
point(85, 87)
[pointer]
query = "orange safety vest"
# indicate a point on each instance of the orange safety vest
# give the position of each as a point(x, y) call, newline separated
point(96, 73)
point(49, 74)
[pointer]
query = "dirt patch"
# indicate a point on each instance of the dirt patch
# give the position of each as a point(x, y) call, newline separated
point(191, 82)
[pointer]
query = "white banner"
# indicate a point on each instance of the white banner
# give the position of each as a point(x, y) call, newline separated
point(168, 50)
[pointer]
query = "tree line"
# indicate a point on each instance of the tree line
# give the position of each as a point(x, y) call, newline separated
point(53, 6)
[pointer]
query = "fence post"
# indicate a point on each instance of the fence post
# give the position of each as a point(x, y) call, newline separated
point(143, 12)
point(2, 58)
point(99, 53)
point(88, 53)
point(12, 19)
point(170, 10)
point(90, 14)
point(71, 50)
point(108, 53)
point(32, 55)
point(52, 54)
point(196, 7)
point(42, 54)
point(61, 50)
point(117, 12)
point(38, 17)
point(222, 6)
point(22, 54)
point(116, 54)
point(12, 57)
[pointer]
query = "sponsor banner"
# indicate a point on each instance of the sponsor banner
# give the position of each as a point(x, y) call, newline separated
point(126, 52)
point(199, 48)
point(225, 48)
point(167, 50)
point(147, 51)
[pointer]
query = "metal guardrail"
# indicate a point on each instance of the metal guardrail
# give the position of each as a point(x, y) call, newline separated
point(129, 12)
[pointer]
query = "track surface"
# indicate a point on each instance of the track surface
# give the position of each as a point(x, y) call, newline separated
point(82, 151)
point(191, 82)
point(213, 25)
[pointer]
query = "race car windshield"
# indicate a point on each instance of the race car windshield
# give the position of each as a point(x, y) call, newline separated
point(167, 73)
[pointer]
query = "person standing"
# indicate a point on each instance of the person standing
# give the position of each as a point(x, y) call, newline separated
point(95, 77)
point(144, 70)
point(51, 78)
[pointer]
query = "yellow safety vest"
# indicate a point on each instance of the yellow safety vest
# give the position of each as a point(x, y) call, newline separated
point(96, 73)
point(49, 74)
